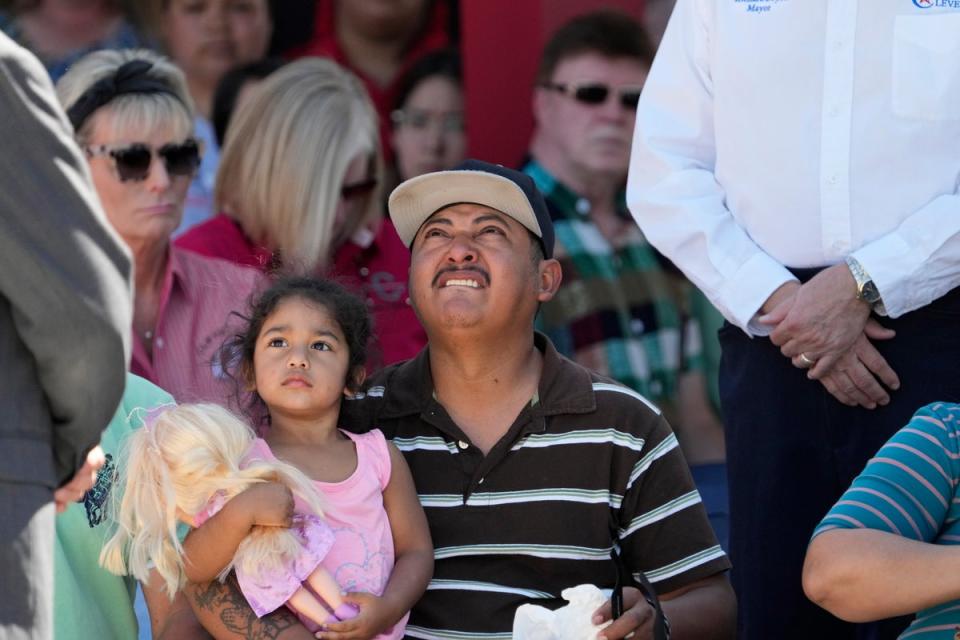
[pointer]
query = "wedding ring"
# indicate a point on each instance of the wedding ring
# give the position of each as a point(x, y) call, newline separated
point(806, 361)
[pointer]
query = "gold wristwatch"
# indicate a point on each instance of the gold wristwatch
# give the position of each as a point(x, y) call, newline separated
point(866, 289)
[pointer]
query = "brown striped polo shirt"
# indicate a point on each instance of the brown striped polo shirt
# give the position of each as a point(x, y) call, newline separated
point(533, 517)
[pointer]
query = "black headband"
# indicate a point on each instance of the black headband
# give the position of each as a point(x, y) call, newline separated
point(130, 77)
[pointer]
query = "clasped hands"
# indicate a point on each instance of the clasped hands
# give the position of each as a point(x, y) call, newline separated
point(823, 327)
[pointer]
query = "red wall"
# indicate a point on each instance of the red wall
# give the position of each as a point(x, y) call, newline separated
point(501, 42)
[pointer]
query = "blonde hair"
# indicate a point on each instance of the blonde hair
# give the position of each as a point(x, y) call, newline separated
point(131, 111)
point(285, 157)
point(177, 463)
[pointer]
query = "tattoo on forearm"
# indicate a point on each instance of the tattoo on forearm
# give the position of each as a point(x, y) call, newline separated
point(226, 602)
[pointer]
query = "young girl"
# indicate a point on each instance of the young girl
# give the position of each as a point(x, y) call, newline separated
point(303, 351)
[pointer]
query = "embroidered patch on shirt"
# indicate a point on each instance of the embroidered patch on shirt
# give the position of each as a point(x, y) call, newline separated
point(930, 4)
point(760, 6)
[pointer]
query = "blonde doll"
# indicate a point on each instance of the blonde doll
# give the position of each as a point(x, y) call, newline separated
point(185, 465)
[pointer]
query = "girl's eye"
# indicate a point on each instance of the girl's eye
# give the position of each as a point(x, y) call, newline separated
point(277, 342)
point(320, 346)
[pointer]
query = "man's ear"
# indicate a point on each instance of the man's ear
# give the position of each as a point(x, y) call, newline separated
point(355, 381)
point(549, 277)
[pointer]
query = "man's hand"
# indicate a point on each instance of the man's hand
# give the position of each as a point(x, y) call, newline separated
point(637, 618)
point(856, 376)
point(83, 479)
point(823, 321)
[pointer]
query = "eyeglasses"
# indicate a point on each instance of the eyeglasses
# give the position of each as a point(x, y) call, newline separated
point(451, 122)
point(358, 189)
point(133, 161)
point(596, 93)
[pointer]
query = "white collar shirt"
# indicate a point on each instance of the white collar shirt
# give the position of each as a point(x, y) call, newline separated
point(791, 133)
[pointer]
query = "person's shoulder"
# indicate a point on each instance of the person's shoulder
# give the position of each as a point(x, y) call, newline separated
point(23, 68)
point(939, 418)
point(373, 441)
point(617, 399)
point(216, 237)
point(140, 392)
point(361, 412)
point(213, 269)
point(140, 396)
point(380, 383)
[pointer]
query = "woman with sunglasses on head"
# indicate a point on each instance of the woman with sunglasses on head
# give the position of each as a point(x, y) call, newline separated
point(298, 191)
point(133, 118)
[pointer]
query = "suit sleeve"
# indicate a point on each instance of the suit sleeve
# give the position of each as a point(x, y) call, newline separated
point(63, 272)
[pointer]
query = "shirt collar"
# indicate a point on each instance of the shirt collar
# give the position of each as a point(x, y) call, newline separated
point(176, 276)
point(567, 202)
point(564, 388)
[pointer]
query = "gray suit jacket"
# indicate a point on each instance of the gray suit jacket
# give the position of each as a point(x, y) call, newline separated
point(65, 293)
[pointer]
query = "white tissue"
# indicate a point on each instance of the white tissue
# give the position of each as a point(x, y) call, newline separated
point(571, 622)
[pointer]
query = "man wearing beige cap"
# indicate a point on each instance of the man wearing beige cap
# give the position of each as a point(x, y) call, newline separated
point(531, 469)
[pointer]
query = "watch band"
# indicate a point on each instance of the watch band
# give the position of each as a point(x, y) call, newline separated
point(866, 288)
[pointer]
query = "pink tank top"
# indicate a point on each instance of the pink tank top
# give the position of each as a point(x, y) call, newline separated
point(362, 555)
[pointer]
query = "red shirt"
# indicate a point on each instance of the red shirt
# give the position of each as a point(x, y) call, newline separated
point(193, 320)
point(434, 35)
point(378, 272)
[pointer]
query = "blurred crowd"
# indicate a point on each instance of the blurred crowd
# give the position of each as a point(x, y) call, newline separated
point(232, 143)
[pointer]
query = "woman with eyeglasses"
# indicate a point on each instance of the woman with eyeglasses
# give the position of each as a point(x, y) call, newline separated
point(133, 118)
point(298, 191)
point(428, 121)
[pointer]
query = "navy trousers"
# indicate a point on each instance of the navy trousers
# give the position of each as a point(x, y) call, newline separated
point(792, 449)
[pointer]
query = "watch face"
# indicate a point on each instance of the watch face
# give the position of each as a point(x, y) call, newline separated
point(869, 292)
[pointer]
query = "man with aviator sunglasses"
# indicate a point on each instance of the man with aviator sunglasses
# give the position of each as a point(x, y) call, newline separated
point(621, 310)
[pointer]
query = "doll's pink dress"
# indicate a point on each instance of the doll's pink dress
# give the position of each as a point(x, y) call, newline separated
point(270, 589)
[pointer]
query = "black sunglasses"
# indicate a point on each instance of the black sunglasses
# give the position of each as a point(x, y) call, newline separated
point(133, 161)
point(596, 93)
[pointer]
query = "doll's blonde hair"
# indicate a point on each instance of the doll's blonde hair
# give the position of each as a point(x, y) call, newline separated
point(179, 461)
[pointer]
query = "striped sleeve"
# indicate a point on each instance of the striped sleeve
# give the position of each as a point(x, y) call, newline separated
point(908, 487)
point(663, 526)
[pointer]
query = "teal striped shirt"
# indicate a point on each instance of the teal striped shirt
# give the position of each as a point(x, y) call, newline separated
point(910, 489)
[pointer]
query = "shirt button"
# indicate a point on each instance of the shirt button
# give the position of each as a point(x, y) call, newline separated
point(370, 302)
point(637, 326)
point(158, 343)
point(462, 444)
point(364, 271)
point(834, 111)
point(833, 179)
point(837, 45)
point(407, 300)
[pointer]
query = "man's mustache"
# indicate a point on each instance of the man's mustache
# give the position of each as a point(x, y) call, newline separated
point(474, 268)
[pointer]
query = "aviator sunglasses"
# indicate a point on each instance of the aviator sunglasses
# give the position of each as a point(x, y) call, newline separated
point(133, 161)
point(596, 93)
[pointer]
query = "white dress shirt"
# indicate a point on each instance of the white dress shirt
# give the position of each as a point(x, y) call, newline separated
point(792, 133)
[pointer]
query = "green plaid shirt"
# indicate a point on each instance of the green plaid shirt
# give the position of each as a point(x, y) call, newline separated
point(621, 310)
